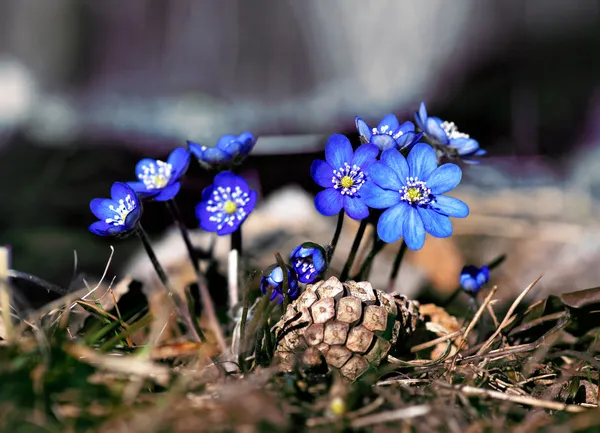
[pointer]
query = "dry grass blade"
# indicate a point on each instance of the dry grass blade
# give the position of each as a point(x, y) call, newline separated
point(5, 293)
point(478, 314)
point(128, 365)
point(392, 415)
point(436, 341)
point(508, 316)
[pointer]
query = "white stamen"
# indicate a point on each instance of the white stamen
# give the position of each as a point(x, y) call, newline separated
point(216, 206)
point(156, 176)
point(354, 173)
point(121, 212)
point(452, 131)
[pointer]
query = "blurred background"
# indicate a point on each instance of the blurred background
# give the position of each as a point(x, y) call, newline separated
point(87, 88)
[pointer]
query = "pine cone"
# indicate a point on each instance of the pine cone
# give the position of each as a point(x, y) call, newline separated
point(351, 324)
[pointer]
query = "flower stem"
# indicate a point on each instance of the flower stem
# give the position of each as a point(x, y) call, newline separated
point(396, 266)
point(236, 241)
point(365, 269)
point(354, 250)
point(285, 283)
point(179, 305)
point(234, 267)
point(336, 236)
point(205, 298)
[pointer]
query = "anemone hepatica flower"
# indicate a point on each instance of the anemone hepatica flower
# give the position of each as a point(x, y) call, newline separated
point(229, 149)
point(272, 278)
point(473, 278)
point(389, 133)
point(447, 133)
point(343, 174)
point(119, 214)
point(411, 190)
point(225, 204)
point(308, 261)
point(158, 179)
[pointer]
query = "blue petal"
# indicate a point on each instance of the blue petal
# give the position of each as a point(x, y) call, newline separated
point(407, 126)
point(223, 141)
point(363, 129)
point(355, 208)
point(146, 162)
point(100, 228)
point(248, 141)
point(365, 155)
point(434, 129)
point(483, 276)
point(277, 275)
point(295, 251)
point(120, 190)
point(384, 176)
point(389, 226)
point(450, 206)
point(322, 173)
point(132, 219)
point(249, 207)
point(338, 151)
point(196, 149)
point(421, 116)
point(232, 147)
point(319, 261)
point(329, 202)
point(203, 216)
point(227, 229)
point(421, 161)
point(228, 179)
point(390, 121)
point(213, 155)
point(383, 141)
point(378, 198)
point(405, 139)
point(413, 229)
point(99, 207)
point(142, 191)
point(435, 223)
point(168, 192)
point(464, 146)
point(179, 160)
point(397, 162)
point(444, 178)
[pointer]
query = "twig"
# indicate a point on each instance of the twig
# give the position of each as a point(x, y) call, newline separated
point(530, 401)
point(436, 341)
point(508, 315)
point(474, 322)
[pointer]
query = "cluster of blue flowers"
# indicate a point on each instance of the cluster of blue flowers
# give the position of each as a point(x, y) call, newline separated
point(223, 207)
point(408, 188)
point(396, 170)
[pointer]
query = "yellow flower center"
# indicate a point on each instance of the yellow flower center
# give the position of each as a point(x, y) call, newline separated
point(229, 207)
point(347, 181)
point(413, 194)
point(160, 181)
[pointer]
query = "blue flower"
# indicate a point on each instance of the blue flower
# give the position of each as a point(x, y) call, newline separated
point(343, 174)
point(158, 179)
point(119, 214)
point(225, 204)
point(411, 190)
point(229, 149)
point(308, 261)
point(473, 278)
point(389, 133)
point(272, 278)
point(446, 133)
